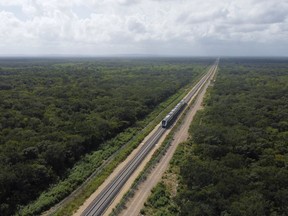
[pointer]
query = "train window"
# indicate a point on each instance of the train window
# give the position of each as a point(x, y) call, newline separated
point(163, 123)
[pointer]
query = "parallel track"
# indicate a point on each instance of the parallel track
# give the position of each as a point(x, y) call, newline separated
point(108, 194)
point(102, 201)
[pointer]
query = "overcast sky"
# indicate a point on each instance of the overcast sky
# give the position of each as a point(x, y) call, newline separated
point(149, 27)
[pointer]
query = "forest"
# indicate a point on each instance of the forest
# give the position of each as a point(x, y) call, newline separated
point(236, 161)
point(54, 111)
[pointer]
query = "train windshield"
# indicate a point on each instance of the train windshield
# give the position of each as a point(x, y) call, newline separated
point(164, 123)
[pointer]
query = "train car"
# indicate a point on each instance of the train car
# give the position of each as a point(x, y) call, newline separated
point(166, 122)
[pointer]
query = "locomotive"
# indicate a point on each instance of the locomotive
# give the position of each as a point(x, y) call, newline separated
point(166, 122)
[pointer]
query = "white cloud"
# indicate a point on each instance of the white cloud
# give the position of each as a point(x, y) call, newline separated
point(129, 26)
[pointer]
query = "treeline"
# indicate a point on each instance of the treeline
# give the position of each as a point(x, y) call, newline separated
point(54, 111)
point(236, 162)
point(239, 162)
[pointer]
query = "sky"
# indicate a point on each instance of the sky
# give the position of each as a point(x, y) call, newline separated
point(144, 27)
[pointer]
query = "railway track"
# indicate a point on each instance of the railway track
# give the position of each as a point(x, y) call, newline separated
point(102, 201)
point(98, 206)
point(203, 80)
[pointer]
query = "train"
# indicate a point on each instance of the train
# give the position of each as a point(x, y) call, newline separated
point(168, 120)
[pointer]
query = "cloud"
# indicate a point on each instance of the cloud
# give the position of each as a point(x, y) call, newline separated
point(129, 26)
point(12, 29)
point(127, 2)
point(136, 26)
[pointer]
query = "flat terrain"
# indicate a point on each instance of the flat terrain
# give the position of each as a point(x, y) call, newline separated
point(235, 162)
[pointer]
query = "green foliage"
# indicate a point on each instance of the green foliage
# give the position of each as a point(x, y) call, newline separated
point(160, 202)
point(53, 112)
point(237, 162)
point(159, 196)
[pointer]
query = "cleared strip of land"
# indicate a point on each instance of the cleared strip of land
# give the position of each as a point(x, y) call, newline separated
point(137, 201)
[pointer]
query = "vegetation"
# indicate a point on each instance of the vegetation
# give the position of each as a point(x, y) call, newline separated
point(236, 161)
point(54, 111)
